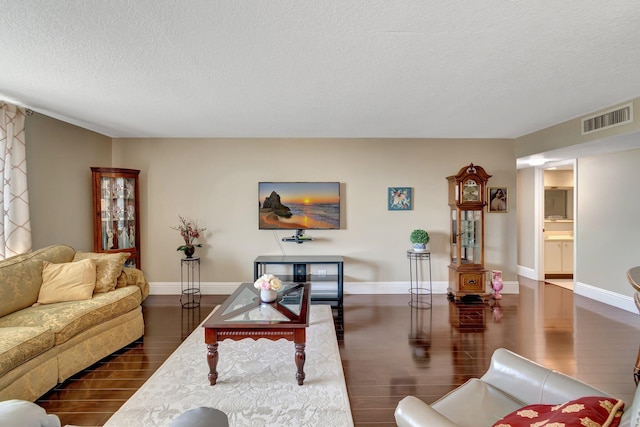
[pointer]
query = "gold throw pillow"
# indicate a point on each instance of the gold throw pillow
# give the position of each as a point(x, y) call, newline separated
point(70, 281)
point(108, 268)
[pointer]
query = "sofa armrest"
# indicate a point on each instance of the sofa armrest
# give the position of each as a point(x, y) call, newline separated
point(133, 277)
point(531, 382)
point(413, 412)
point(517, 376)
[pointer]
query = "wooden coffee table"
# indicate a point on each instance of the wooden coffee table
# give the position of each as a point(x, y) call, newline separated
point(242, 316)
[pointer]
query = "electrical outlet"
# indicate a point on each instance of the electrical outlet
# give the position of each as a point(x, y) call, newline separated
point(322, 273)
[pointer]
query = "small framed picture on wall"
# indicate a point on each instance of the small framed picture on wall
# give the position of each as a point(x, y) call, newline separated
point(498, 199)
point(400, 198)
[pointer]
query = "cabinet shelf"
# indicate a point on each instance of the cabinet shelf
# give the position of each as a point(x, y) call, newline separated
point(309, 278)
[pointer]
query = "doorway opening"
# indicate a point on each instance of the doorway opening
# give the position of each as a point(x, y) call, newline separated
point(559, 220)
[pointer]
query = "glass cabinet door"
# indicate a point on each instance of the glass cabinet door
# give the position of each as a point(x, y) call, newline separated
point(454, 237)
point(118, 213)
point(471, 237)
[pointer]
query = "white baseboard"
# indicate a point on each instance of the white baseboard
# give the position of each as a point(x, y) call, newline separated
point(510, 288)
point(354, 288)
point(527, 272)
point(206, 288)
point(592, 292)
point(623, 302)
point(385, 288)
point(399, 288)
point(388, 288)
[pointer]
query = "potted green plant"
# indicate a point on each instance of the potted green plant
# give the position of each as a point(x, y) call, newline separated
point(419, 238)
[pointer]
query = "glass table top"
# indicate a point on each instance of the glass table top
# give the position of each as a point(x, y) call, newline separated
point(244, 306)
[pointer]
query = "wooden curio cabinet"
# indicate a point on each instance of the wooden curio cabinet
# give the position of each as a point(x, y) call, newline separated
point(467, 199)
point(116, 216)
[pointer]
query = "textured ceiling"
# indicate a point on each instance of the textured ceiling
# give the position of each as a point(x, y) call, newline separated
point(334, 68)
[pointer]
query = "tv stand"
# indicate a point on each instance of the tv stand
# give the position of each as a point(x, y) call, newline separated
point(324, 272)
point(299, 237)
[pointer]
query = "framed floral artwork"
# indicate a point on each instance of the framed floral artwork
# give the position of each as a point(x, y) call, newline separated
point(400, 198)
point(498, 201)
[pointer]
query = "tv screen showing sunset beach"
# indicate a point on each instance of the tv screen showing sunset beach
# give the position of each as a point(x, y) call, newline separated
point(299, 205)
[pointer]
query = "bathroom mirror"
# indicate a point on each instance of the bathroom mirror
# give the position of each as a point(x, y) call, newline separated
point(558, 203)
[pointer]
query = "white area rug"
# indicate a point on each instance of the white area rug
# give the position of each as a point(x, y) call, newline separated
point(256, 382)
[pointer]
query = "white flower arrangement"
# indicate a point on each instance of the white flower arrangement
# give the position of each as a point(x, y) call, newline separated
point(268, 282)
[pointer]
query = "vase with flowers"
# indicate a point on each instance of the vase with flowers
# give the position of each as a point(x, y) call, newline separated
point(189, 232)
point(269, 285)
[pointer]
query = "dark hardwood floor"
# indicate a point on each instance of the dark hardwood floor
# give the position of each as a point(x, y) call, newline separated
point(390, 350)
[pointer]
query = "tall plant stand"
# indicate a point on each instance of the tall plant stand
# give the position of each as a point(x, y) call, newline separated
point(190, 282)
point(421, 290)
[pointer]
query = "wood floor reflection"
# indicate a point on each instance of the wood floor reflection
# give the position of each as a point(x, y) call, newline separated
point(390, 350)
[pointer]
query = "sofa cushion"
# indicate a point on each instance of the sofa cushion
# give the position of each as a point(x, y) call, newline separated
point(483, 404)
point(19, 344)
point(21, 276)
point(584, 411)
point(108, 267)
point(69, 281)
point(67, 319)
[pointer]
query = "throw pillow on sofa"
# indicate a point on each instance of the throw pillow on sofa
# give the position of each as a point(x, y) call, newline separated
point(585, 411)
point(108, 268)
point(70, 281)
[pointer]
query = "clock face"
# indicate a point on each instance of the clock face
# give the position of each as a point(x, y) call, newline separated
point(470, 191)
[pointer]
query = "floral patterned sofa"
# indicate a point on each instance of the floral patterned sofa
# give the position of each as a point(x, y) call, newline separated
point(62, 311)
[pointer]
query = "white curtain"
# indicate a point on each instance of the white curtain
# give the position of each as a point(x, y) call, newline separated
point(15, 233)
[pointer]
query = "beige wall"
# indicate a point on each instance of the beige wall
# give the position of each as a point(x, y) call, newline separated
point(215, 181)
point(608, 232)
point(607, 235)
point(59, 156)
point(526, 220)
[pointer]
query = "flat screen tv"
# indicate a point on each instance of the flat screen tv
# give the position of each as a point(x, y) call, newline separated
point(299, 205)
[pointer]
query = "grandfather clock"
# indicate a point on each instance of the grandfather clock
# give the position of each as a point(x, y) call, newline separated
point(467, 199)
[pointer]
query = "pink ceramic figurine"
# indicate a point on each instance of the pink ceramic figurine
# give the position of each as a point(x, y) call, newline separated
point(496, 283)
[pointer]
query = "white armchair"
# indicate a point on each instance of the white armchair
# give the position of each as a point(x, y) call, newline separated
point(25, 414)
point(511, 382)
point(633, 275)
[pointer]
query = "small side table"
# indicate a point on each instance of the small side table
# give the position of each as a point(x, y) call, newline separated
point(190, 282)
point(421, 296)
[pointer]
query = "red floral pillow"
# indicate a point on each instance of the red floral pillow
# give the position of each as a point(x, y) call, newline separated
point(590, 411)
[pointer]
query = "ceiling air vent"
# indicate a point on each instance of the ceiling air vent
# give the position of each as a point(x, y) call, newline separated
point(618, 116)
